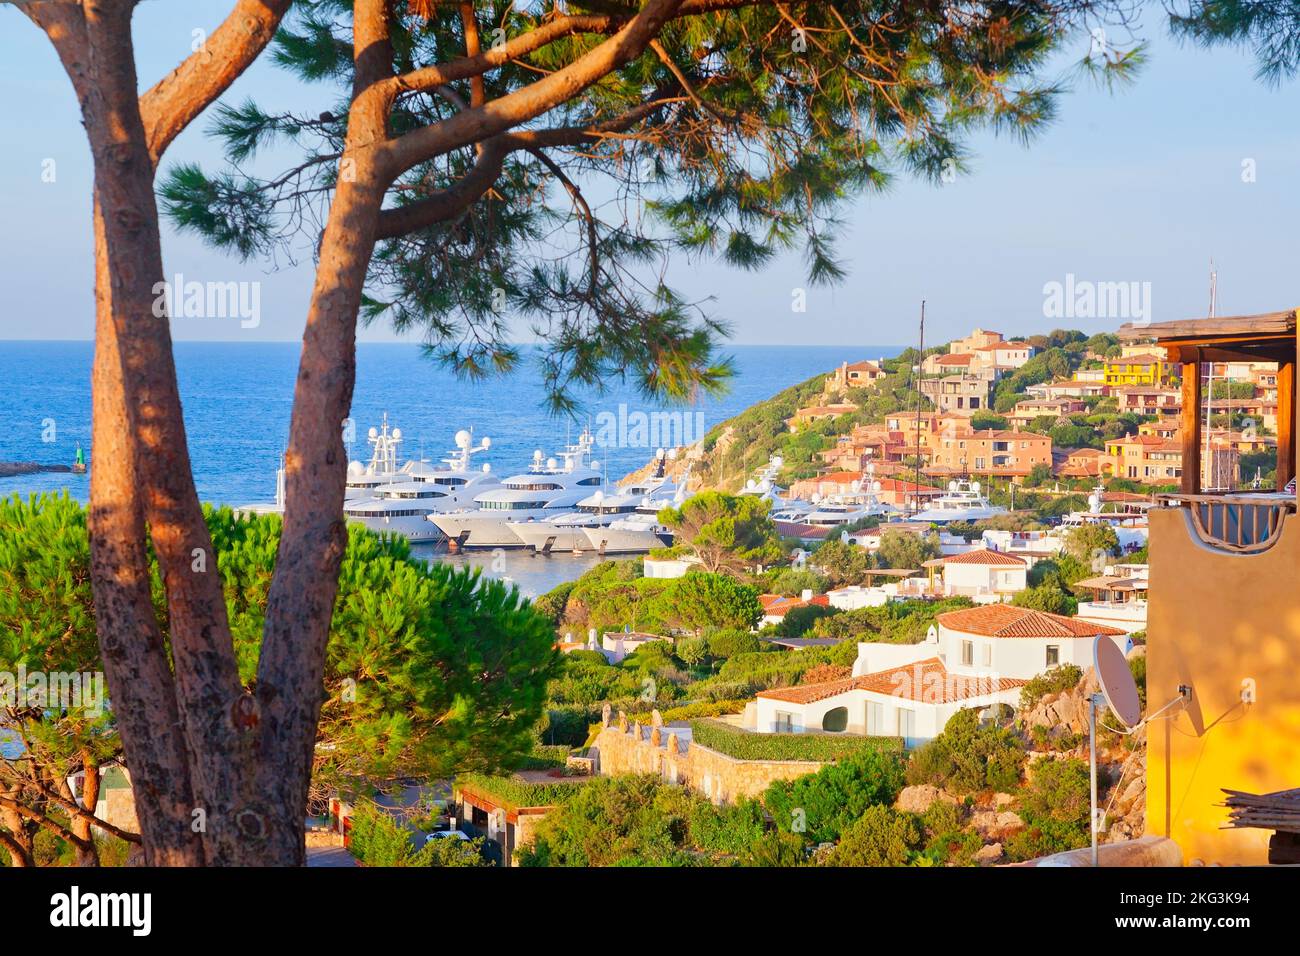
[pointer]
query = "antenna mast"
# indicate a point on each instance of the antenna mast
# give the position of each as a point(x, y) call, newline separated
point(920, 357)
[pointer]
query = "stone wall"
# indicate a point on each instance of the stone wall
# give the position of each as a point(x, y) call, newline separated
point(667, 752)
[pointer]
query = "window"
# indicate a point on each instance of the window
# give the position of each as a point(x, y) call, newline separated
point(784, 723)
point(836, 720)
point(986, 658)
point(1053, 655)
point(875, 719)
point(968, 653)
point(906, 723)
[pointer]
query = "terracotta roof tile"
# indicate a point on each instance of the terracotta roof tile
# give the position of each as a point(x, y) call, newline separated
point(986, 556)
point(1003, 620)
point(926, 681)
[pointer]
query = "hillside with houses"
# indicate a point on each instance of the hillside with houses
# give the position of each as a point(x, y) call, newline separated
point(871, 638)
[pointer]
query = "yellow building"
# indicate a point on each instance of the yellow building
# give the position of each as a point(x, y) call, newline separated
point(1147, 369)
point(1223, 618)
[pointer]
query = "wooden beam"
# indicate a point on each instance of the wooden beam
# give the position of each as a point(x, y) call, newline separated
point(1275, 350)
point(1286, 423)
point(1191, 423)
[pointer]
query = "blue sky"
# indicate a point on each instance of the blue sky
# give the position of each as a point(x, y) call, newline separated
point(1139, 185)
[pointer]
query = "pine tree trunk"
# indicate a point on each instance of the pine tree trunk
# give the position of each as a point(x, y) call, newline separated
point(300, 604)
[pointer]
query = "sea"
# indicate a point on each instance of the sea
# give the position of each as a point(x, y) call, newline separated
point(237, 399)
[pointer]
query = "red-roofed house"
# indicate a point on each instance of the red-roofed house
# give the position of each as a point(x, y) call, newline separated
point(777, 606)
point(971, 658)
point(983, 575)
point(855, 375)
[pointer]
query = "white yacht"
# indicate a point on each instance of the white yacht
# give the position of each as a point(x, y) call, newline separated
point(364, 481)
point(548, 488)
point(834, 511)
point(1128, 519)
point(765, 486)
point(579, 530)
point(963, 502)
point(404, 506)
point(641, 530)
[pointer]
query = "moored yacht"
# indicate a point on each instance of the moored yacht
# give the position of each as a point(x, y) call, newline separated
point(404, 506)
point(963, 502)
point(547, 489)
point(580, 529)
point(641, 530)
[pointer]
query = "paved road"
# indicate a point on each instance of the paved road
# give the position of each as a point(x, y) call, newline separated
point(329, 856)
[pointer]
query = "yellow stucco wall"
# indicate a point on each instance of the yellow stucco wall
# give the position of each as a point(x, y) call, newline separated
point(1215, 621)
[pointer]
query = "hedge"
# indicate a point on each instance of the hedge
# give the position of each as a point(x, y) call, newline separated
point(547, 757)
point(747, 745)
point(514, 793)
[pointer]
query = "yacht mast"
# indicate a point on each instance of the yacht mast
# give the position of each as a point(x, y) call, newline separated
point(920, 358)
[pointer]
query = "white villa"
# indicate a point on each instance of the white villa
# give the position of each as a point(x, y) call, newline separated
point(976, 657)
point(1119, 597)
point(616, 645)
point(983, 575)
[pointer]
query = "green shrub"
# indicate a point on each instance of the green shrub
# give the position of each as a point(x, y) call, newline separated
point(1054, 805)
point(379, 840)
point(882, 836)
point(1061, 678)
point(969, 757)
point(703, 708)
point(724, 643)
point(823, 804)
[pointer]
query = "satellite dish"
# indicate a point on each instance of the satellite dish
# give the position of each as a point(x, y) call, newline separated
point(1116, 680)
point(462, 438)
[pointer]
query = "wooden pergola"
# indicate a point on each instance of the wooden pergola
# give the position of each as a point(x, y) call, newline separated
point(1244, 338)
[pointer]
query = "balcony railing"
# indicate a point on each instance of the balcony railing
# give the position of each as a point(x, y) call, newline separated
point(1238, 523)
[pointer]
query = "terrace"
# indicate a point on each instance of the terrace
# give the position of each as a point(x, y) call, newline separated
point(1223, 628)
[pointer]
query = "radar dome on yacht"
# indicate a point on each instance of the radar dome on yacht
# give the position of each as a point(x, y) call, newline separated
point(462, 438)
point(875, 486)
point(1094, 503)
point(487, 466)
point(537, 454)
point(975, 487)
point(550, 463)
point(356, 468)
point(952, 486)
point(397, 434)
point(374, 432)
point(487, 442)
